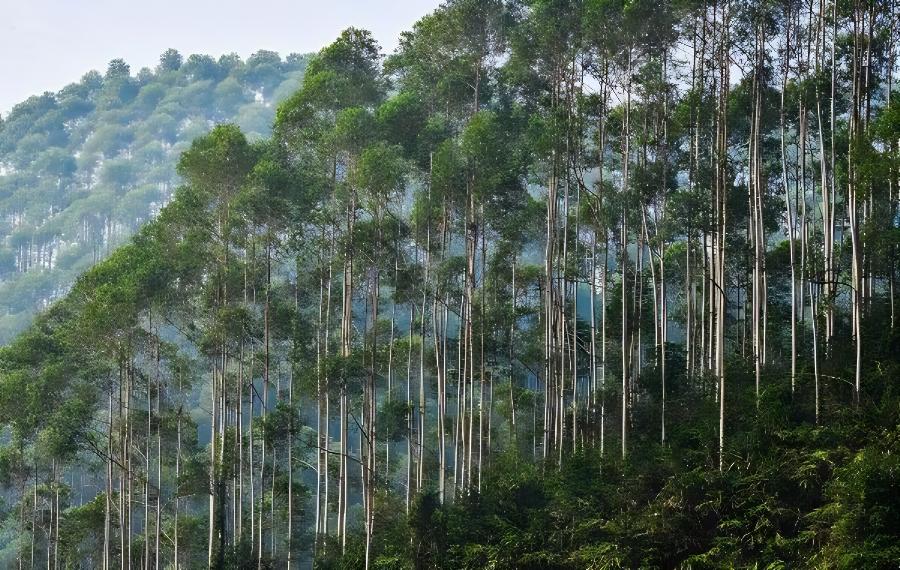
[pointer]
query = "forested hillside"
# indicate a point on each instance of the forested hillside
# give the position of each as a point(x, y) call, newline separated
point(557, 284)
point(82, 169)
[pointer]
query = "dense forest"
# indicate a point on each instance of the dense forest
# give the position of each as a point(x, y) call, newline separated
point(556, 284)
point(82, 169)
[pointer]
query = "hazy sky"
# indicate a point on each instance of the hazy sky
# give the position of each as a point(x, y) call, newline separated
point(46, 44)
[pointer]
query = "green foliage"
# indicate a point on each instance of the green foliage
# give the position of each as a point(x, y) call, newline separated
point(389, 300)
point(801, 501)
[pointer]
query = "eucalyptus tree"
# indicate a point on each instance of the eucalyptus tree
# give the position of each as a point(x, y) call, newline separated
point(433, 79)
point(447, 59)
point(217, 167)
point(341, 88)
point(380, 176)
point(546, 62)
point(492, 144)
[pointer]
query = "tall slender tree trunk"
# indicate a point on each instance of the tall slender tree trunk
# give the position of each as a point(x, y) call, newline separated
point(626, 346)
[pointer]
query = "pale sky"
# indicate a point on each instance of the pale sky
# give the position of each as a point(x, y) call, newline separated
point(47, 44)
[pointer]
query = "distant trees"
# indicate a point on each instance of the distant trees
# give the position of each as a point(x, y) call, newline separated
point(106, 138)
point(170, 60)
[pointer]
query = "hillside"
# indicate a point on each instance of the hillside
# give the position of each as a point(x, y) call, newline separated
point(557, 285)
point(82, 169)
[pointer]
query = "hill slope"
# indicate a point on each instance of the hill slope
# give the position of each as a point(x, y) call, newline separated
point(83, 168)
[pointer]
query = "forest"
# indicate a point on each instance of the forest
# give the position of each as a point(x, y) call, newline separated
point(556, 284)
point(82, 169)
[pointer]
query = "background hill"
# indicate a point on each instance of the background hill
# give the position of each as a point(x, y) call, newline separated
point(83, 168)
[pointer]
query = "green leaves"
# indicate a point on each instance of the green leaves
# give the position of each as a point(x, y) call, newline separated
point(381, 171)
point(402, 120)
point(354, 129)
point(346, 73)
point(218, 163)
